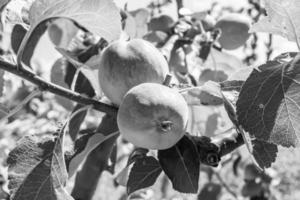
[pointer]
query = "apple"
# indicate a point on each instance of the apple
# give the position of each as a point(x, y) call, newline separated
point(125, 64)
point(153, 116)
point(234, 30)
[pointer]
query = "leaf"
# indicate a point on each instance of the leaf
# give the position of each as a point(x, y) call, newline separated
point(100, 17)
point(2, 72)
point(3, 3)
point(241, 74)
point(211, 124)
point(123, 175)
point(3, 111)
point(57, 77)
point(268, 104)
point(225, 61)
point(264, 153)
point(181, 164)
point(282, 19)
point(208, 94)
point(17, 35)
point(130, 25)
point(76, 121)
point(230, 93)
point(61, 32)
point(144, 173)
point(210, 191)
point(157, 38)
point(141, 17)
point(37, 169)
point(87, 144)
point(29, 43)
point(212, 75)
point(89, 69)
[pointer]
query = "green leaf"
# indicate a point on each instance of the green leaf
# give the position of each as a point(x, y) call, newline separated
point(264, 153)
point(208, 94)
point(62, 31)
point(211, 125)
point(268, 104)
point(84, 147)
point(17, 35)
point(283, 19)
point(141, 17)
point(2, 72)
point(230, 93)
point(76, 121)
point(210, 191)
point(3, 3)
point(37, 169)
point(100, 17)
point(212, 75)
point(3, 111)
point(130, 25)
point(144, 173)
point(89, 69)
point(181, 164)
point(57, 76)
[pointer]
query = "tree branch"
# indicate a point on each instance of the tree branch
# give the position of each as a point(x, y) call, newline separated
point(226, 143)
point(58, 90)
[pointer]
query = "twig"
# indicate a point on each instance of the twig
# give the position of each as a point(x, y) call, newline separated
point(56, 89)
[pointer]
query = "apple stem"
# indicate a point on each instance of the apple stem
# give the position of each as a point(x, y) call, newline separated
point(167, 80)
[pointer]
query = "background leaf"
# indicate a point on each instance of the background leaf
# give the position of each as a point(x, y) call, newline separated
point(210, 191)
point(3, 4)
point(181, 165)
point(62, 31)
point(283, 19)
point(141, 17)
point(144, 173)
point(2, 72)
point(208, 94)
point(272, 115)
point(37, 169)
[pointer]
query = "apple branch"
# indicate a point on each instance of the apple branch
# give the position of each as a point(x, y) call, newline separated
point(56, 89)
point(226, 143)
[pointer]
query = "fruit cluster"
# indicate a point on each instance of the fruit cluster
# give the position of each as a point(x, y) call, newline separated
point(151, 115)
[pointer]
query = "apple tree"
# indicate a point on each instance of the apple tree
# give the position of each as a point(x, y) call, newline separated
point(112, 84)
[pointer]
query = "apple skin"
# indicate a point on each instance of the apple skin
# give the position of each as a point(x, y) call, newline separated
point(153, 116)
point(125, 64)
point(234, 29)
